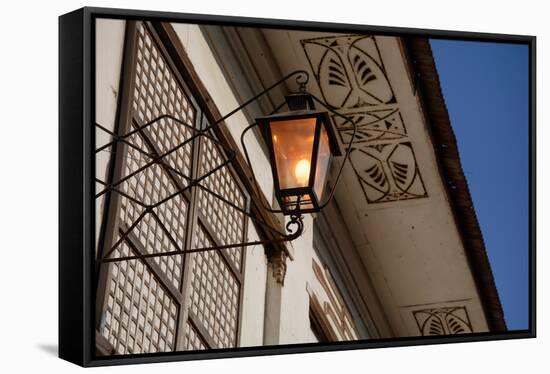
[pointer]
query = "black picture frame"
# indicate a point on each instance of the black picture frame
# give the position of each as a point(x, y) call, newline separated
point(76, 186)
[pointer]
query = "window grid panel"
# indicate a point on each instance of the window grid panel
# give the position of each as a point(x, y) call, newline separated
point(215, 293)
point(150, 186)
point(139, 315)
point(227, 222)
point(157, 92)
point(193, 341)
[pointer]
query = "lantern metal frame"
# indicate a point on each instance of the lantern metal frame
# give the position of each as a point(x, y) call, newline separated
point(302, 80)
point(301, 107)
point(294, 226)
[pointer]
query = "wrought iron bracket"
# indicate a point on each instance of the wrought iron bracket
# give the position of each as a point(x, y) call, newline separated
point(296, 221)
point(294, 226)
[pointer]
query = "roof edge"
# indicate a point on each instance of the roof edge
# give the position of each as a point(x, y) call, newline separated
point(428, 87)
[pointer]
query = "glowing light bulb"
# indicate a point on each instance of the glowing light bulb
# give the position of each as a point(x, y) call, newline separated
point(301, 172)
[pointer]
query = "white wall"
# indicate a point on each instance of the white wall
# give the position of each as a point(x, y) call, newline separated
point(108, 68)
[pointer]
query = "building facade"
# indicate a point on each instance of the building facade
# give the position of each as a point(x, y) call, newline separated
point(397, 253)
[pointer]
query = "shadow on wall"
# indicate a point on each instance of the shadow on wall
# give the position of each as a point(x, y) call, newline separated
point(49, 348)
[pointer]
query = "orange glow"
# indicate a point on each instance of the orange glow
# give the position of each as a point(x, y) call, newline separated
point(293, 149)
point(301, 171)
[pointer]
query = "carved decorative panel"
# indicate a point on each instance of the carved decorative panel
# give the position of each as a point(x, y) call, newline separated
point(387, 172)
point(443, 321)
point(352, 79)
point(376, 124)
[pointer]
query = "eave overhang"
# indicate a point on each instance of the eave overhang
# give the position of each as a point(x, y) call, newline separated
point(428, 86)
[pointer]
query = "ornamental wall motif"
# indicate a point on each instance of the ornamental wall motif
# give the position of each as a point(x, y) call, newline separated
point(352, 79)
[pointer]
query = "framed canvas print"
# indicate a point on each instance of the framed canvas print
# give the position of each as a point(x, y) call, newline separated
point(234, 186)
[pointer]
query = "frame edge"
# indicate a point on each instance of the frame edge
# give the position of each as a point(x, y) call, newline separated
point(73, 225)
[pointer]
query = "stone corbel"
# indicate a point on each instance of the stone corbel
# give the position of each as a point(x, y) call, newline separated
point(276, 258)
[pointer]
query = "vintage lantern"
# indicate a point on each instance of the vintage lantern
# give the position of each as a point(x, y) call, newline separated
point(301, 143)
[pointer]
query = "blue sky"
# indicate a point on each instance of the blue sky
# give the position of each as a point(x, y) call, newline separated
point(485, 86)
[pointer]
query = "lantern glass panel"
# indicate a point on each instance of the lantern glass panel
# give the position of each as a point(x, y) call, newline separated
point(323, 162)
point(293, 148)
point(304, 201)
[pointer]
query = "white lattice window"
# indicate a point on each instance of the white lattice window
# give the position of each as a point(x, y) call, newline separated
point(174, 302)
